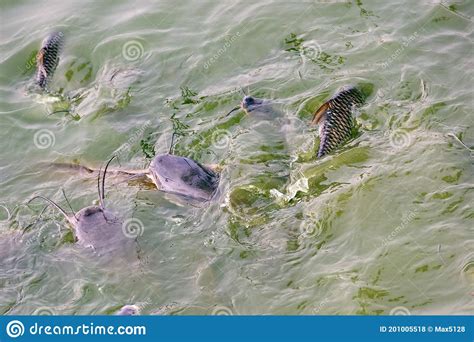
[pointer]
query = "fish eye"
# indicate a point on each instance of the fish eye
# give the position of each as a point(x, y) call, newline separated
point(92, 210)
point(249, 100)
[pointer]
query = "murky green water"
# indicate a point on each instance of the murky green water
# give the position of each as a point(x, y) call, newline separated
point(384, 225)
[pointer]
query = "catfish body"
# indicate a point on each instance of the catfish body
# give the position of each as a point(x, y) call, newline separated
point(335, 119)
point(169, 173)
point(183, 176)
point(47, 58)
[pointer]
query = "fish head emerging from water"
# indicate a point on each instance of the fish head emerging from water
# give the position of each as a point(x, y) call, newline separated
point(183, 176)
point(257, 107)
point(94, 226)
point(250, 103)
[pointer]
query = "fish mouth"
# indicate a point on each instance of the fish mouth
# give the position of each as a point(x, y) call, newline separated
point(247, 108)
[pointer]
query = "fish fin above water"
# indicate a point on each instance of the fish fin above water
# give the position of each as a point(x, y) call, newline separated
point(214, 167)
point(40, 62)
point(41, 73)
point(318, 115)
point(335, 119)
point(47, 58)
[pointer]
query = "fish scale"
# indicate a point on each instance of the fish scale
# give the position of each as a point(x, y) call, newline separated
point(335, 119)
point(47, 58)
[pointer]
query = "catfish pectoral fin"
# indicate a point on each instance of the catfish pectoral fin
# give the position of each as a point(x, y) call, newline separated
point(215, 167)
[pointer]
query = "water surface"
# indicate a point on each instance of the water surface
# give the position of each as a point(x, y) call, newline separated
point(383, 225)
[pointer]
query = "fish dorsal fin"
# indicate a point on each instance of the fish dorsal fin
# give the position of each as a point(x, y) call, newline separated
point(319, 113)
point(40, 61)
point(40, 56)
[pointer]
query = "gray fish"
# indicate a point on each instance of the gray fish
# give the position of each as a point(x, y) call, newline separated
point(47, 58)
point(183, 176)
point(335, 119)
point(96, 227)
point(171, 174)
point(128, 310)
